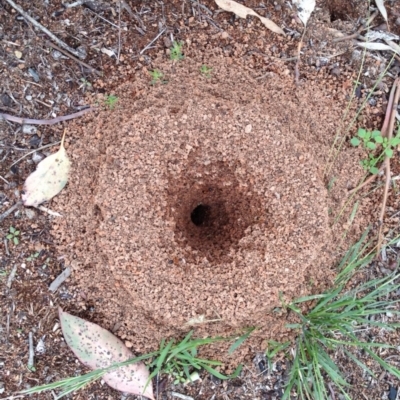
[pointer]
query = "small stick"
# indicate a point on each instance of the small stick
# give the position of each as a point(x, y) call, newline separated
point(34, 151)
point(60, 279)
point(48, 211)
point(4, 180)
point(119, 31)
point(10, 210)
point(31, 358)
point(11, 276)
point(387, 159)
point(383, 133)
point(52, 121)
point(389, 111)
point(359, 30)
point(74, 58)
point(45, 30)
point(296, 68)
point(369, 180)
point(142, 51)
point(6, 247)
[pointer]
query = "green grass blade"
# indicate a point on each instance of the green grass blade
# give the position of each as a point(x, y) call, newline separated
point(240, 340)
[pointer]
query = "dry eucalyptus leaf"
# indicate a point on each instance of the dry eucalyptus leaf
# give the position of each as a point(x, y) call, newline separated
point(304, 8)
point(381, 8)
point(242, 11)
point(49, 179)
point(98, 348)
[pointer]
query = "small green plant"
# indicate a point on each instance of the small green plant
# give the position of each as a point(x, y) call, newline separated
point(273, 348)
point(332, 324)
point(13, 235)
point(33, 256)
point(156, 76)
point(206, 71)
point(110, 101)
point(179, 360)
point(371, 141)
point(85, 84)
point(176, 51)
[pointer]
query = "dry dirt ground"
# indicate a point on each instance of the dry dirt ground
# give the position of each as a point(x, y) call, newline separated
point(237, 153)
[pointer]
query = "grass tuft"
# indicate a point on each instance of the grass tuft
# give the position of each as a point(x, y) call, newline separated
point(332, 324)
point(177, 360)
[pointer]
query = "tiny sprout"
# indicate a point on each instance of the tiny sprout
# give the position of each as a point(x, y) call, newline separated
point(206, 71)
point(156, 76)
point(110, 101)
point(176, 51)
point(13, 235)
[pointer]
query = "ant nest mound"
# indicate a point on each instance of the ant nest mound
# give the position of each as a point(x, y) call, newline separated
point(201, 202)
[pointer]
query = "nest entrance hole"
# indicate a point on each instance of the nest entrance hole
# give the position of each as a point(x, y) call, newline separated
point(212, 213)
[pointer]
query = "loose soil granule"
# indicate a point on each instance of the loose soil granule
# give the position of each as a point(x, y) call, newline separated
point(204, 199)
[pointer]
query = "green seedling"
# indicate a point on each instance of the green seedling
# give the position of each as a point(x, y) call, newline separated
point(110, 101)
point(13, 235)
point(371, 141)
point(206, 71)
point(156, 76)
point(33, 256)
point(176, 51)
point(85, 84)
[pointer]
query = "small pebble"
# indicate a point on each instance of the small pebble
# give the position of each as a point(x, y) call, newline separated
point(33, 74)
point(37, 157)
point(128, 344)
point(29, 97)
point(248, 128)
point(56, 54)
point(6, 99)
point(392, 393)
point(35, 140)
point(18, 54)
point(335, 71)
point(29, 129)
point(224, 35)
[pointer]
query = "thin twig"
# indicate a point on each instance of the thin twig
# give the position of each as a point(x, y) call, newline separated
point(45, 30)
point(31, 358)
point(104, 19)
point(369, 180)
point(119, 31)
point(387, 159)
point(75, 4)
point(332, 392)
point(10, 210)
point(359, 30)
point(6, 247)
point(74, 58)
point(142, 51)
point(11, 276)
point(5, 180)
point(296, 68)
point(34, 151)
point(52, 121)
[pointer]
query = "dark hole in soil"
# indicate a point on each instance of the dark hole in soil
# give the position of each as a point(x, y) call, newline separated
point(201, 215)
point(212, 213)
